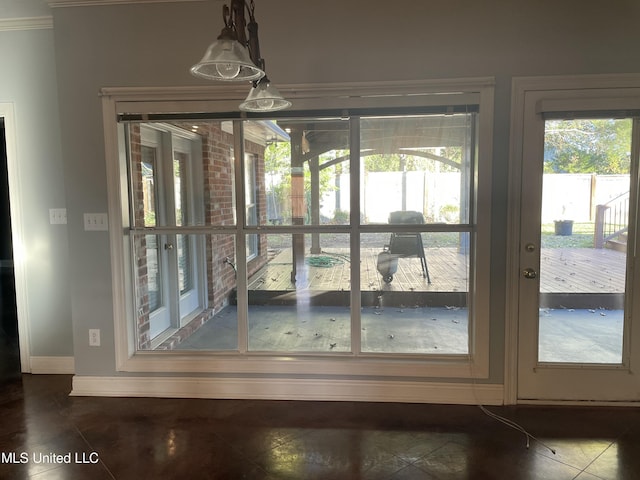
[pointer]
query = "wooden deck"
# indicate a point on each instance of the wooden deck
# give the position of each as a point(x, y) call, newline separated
point(580, 270)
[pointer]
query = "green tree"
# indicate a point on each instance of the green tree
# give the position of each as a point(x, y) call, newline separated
point(398, 162)
point(588, 146)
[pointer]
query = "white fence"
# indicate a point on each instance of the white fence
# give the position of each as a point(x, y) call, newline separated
point(575, 196)
point(437, 195)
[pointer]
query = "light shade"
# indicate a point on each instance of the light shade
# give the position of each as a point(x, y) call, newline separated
point(228, 60)
point(264, 97)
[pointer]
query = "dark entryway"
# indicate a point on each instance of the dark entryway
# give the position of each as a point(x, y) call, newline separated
point(9, 351)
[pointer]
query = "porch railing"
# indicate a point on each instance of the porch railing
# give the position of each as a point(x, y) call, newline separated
point(612, 220)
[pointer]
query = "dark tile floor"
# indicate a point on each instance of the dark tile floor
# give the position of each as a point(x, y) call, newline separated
point(135, 438)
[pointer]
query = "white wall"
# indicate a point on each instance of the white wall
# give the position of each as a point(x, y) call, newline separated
point(313, 41)
point(28, 82)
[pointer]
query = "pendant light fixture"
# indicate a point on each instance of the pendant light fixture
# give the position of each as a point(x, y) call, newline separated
point(264, 97)
point(235, 56)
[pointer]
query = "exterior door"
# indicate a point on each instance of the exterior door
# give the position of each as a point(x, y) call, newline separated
point(578, 253)
point(188, 249)
point(172, 260)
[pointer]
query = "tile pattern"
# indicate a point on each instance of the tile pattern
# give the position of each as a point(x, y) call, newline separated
point(133, 438)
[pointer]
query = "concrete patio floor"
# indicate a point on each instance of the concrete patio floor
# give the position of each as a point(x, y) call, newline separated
point(566, 335)
point(294, 324)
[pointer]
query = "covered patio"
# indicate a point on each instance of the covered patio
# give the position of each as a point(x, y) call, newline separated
point(411, 316)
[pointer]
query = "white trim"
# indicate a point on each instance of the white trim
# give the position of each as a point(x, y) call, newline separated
point(448, 88)
point(337, 96)
point(117, 186)
point(257, 364)
point(53, 365)
point(576, 82)
point(481, 336)
point(26, 23)
point(288, 389)
point(513, 242)
point(17, 233)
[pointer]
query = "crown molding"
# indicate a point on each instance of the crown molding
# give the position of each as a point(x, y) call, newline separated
point(26, 23)
point(91, 3)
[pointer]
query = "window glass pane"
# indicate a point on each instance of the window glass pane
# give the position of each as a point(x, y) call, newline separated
point(250, 188)
point(253, 200)
point(152, 314)
point(217, 172)
point(147, 185)
point(584, 221)
point(181, 188)
point(216, 328)
point(148, 248)
point(416, 164)
point(299, 301)
point(145, 176)
point(302, 168)
point(168, 187)
point(185, 266)
point(414, 292)
point(201, 320)
point(416, 172)
point(183, 217)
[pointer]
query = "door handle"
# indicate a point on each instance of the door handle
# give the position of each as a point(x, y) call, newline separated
point(529, 273)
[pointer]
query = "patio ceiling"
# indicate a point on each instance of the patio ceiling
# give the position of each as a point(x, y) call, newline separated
point(409, 135)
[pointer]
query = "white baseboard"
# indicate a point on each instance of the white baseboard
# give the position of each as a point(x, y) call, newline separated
point(52, 365)
point(288, 389)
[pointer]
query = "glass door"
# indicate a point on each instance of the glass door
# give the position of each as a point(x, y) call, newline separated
point(578, 217)
point(188, 247)
point(169, 277)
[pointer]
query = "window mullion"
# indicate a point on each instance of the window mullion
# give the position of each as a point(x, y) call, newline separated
point(241, 240)
point(354, 176)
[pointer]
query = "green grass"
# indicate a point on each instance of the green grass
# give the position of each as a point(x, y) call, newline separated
point(581, 237)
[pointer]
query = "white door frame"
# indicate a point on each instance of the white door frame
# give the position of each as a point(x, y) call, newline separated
point(520, 86)
point(7, 112)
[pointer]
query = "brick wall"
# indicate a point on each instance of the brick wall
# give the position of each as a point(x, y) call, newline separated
point(139, 242)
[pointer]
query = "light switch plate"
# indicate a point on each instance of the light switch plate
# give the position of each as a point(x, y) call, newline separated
point(96, 222)
point(58, 216)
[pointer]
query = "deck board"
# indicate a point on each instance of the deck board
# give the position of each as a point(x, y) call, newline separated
point(563, 270)
point(582, 270)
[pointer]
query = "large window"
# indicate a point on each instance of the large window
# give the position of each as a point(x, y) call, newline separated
point(361, 234)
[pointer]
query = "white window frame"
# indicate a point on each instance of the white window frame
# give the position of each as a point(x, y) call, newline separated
point(478, 91)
